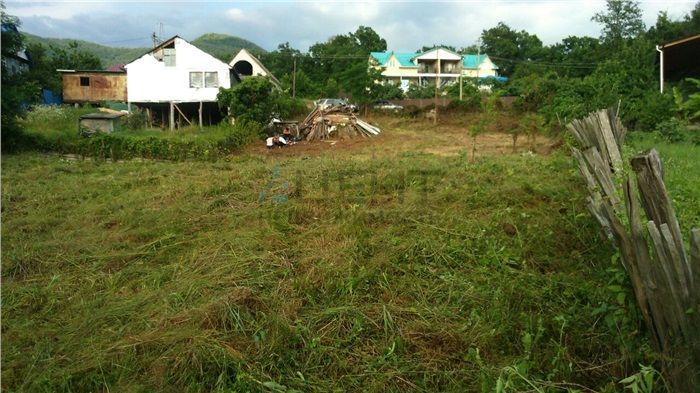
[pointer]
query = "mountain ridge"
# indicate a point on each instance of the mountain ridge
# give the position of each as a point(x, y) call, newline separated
point(221, 46)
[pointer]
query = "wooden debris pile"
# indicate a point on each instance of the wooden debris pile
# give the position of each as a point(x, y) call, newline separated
point(336, 120)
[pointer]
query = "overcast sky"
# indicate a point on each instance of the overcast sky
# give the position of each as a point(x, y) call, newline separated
point(406, 25)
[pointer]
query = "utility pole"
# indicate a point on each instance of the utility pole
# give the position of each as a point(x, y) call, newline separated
point(155, 39)
point(294, 79)
point(437, 82)
point(461, 60)
point(478, 58)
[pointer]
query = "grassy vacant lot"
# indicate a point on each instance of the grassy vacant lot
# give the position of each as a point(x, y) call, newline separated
point(391, 264)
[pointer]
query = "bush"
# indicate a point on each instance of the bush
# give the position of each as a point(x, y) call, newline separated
point(463, 106)
point(471, 97)
point(645, 109)
point(417, 91)
point(54, 129)
point(412, 111)
point(672, 130)
point(290, 108)
point(136, 120)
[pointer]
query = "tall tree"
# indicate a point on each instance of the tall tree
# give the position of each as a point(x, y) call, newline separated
point(621, 20)
point(343, 58)
point(17, 89)
point(508, 47)
point(426, 48)
point(575, 56)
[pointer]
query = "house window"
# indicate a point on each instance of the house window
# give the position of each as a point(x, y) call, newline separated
point(211, 79)
point(84, 81)
point(204, 79)
point(196, 80)
point(169, 57)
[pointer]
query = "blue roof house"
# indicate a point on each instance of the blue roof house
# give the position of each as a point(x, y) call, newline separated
point(405, 68)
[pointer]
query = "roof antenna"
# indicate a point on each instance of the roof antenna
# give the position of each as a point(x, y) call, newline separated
point(157, 39)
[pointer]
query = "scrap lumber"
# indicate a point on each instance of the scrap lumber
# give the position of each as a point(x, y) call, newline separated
point(320, 124)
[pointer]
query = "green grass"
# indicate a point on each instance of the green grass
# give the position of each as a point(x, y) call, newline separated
point(331, 273)
point(55, 129)
point(681, 173)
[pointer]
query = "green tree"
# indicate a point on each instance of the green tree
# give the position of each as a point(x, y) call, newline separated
point(621, 21)
point(575, 56)
point(344, 58)
point(508, 47)
point(417, 91)
point(427, 48)
point(254, 99)
point(17, 89)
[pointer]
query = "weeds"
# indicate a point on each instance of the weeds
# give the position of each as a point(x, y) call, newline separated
point(411, 271)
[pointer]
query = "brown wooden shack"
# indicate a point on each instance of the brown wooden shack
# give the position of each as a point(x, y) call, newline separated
point(88, 86)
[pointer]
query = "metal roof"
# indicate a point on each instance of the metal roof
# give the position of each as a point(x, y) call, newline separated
point(474, 61)
point(404, 58)
point(102, 115)
point(469, 61)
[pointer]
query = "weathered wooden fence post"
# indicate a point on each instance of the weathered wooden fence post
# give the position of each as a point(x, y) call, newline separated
point(665, 278)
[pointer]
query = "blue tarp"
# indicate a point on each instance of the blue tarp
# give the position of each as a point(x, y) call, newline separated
point(48, 97)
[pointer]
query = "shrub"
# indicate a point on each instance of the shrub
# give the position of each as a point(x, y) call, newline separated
point(254, 99)
point(417, 91)
point(672, 130)
point(136, 120)
point(412, 111)
point(645, 109)
point(463, 106)
point(290, 108)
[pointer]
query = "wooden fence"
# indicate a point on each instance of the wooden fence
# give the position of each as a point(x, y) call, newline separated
point(664, 276)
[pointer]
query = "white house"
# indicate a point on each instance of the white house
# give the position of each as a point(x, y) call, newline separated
point(245, 65)
point(405, 68)
point(176, 83)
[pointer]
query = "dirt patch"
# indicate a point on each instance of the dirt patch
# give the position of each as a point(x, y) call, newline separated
point(451, 136)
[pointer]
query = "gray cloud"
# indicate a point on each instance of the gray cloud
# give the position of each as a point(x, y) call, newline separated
point(405, 25)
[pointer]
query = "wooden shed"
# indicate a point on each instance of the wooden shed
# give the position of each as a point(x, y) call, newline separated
point(679, 59)
point(100, 122)
point(93, 86)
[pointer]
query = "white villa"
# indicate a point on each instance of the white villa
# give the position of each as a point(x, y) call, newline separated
point(404, 68)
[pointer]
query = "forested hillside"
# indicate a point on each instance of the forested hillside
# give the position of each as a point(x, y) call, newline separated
point(222, 46)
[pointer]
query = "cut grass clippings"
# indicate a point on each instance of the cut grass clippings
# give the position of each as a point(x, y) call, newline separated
point(415, 272)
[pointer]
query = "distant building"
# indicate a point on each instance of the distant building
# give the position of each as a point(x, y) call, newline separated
point(176, 83)
point(245, 65)
point(17, 62)
point(92, 86)
point(678, 59)
point(406, 68)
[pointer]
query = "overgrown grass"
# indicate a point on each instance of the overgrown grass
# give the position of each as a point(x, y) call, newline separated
point(55, 129)
point(681, 163)
point(332, 273)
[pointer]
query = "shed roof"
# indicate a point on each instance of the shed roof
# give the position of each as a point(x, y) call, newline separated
point(681, 58)
point(102, 115)
point(683, 40)
point(60, 71)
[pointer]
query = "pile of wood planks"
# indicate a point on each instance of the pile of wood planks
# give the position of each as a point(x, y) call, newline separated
point(339, 120)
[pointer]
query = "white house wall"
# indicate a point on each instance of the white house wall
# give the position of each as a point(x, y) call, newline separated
point(243, 54)
point(149, 80)
point(440, 53)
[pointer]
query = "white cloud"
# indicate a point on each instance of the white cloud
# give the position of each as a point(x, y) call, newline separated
point(56, 9)
point(406, 25)
point(235, 14)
